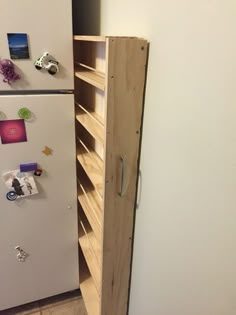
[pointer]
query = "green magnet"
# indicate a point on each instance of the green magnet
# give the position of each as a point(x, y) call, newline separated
point(2, 116)
point(24, 113)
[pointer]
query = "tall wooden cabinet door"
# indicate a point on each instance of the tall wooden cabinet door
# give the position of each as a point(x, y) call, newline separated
point(126, 67)
point(43, 225)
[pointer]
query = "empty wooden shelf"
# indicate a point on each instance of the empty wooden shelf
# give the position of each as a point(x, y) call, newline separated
point(92, 122)
point(92, 205)
point(109, 81)
point(92, 164)
point(92, 254)
point(91, 77)
point(88, 289)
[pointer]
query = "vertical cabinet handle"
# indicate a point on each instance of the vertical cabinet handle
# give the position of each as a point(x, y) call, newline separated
point(123, 177)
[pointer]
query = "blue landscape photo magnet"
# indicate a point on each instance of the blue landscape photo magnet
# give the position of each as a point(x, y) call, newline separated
point(18, 45)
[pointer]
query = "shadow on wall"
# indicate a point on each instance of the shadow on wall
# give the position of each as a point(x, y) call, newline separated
point(86, 17)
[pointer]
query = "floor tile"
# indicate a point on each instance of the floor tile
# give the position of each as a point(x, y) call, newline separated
point(28, 309)
point(64, 304)
point(74, 307)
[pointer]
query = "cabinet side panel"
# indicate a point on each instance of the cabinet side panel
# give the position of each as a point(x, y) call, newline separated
point(126, 68)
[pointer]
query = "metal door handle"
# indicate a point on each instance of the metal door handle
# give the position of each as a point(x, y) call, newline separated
point(124, 177)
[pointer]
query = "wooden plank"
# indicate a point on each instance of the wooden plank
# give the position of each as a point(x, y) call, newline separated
point(88, 289)
point(91, 203)
point(126, 68)
point(94, 244)
point(91, 122)
point(89, 255)
point(92, 77)
point(92, 165)
point(90, 38)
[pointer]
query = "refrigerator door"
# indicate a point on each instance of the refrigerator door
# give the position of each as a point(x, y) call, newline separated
point(48, 25)
point(43, 225)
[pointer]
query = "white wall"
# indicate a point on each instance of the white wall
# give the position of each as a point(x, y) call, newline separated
point(184, 258)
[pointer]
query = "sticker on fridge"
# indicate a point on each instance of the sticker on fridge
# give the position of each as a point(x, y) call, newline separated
point(18, 45)
point(13, 131)
point(23, 184)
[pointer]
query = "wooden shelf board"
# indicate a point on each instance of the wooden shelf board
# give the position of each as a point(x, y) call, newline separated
point(90, 38)
point(89, 292)
point(90, 258)
point(82, 65)
point(91, 123)
point(92, 165)
point(91, 203)
point(94, 78)
point(94, 244)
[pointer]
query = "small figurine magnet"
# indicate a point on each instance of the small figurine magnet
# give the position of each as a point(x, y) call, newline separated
point(38, 172)
point(48, 63)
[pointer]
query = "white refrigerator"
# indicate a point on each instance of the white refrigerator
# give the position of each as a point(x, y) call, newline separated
point(38, 203)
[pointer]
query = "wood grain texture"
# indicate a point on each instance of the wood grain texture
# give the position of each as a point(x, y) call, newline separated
point(91, 121)
point(92, 164)
point(90, 38)
point(90, 295)
point(126, 68)
point(90, 255)
point(91, 77)
point(90, 202)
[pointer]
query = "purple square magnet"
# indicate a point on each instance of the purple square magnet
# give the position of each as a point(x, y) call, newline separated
point(28, 167)
point(13, 131)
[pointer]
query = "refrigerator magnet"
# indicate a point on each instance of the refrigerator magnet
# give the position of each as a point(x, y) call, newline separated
point(7, 69)
point(28, 167)
point(2, 116)
point(47, 151)
point(38, 172)
point(18, 45)
point(13, 131)
point(25, 113)
point(11, 196)
point(21, 186)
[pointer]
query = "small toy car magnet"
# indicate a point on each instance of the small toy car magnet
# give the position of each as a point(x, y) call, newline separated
point(48, 63)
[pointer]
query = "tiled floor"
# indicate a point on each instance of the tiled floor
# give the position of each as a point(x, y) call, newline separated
point(64, 304)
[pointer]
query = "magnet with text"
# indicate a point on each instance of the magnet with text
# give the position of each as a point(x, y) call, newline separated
point(13, 131)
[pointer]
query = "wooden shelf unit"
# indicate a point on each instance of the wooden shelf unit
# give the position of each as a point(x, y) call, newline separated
point(109, 88)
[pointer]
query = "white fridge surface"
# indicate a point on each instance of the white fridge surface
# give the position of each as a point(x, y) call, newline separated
point(48, 25)
point(38, 233)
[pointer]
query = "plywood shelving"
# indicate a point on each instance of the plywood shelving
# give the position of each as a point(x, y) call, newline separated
point(109, 89)
point(90, 76)
point(91, 251)
point(91, 122)
point(90, 294)
point(91, 203)
point(92, 164)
